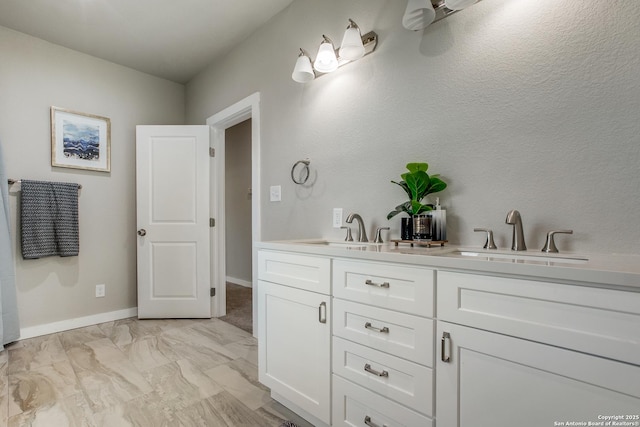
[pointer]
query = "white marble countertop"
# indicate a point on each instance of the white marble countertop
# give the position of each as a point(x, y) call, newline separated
point(602, 270)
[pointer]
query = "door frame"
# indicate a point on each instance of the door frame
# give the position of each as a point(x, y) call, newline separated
point(248, 108)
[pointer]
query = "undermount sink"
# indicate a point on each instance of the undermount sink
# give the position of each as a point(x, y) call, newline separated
point(492, 255)
point(342, 244)
point(338, 243)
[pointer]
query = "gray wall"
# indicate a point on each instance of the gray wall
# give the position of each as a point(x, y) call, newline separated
point(34, 75)
point(238, 202)
point(527, 104)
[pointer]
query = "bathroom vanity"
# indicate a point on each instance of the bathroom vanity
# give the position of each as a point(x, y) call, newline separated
point(374, 335)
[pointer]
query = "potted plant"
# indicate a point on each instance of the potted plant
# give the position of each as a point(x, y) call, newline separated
point(417, 184)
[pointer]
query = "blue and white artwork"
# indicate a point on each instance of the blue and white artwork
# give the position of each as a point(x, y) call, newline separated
point(81, 141)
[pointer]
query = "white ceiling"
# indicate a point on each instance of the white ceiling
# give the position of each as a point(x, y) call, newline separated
point(173, 39)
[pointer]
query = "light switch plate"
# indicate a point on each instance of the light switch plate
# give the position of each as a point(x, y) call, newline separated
point(337, 217)
point(275, 193)
point(100, 290)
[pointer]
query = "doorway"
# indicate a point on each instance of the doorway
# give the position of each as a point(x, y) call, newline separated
point(237, 212)
point(248, 108)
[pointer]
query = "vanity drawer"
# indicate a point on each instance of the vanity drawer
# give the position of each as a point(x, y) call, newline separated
point(299, 271)
point(397, 287)
point(400, 334)
point(352, 405)
point(592, 320)
point(405, 382)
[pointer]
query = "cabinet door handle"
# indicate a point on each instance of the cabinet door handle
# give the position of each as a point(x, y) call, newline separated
point(445, 337)
point(322, 312)
point(383, 330)
point(367, 421)
point(380, 285)
point(368, 368)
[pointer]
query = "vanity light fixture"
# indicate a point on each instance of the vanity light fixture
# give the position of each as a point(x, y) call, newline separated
point(326, 59)
point(303, 71)
point(421, 13)
point(458, 4)
point(354, 46)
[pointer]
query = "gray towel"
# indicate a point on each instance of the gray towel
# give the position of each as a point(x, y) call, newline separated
point(49, 219)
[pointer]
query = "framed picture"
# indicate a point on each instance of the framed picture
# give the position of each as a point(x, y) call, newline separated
point(80, 140)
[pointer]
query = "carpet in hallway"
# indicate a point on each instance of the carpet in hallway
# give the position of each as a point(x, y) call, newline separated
point(239, 307)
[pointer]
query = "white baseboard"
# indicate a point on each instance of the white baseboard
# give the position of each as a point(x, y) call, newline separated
point(240, 282)
point(80, 322)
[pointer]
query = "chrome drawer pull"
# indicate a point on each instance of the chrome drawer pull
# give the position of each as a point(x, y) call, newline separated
point(322, 312)
point(380, 285)
point(367, 368)
point(383, 330)
point(445, 337)
point(367, 421)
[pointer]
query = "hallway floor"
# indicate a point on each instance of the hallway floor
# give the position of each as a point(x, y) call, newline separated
point(174, 372)
point(239, 307)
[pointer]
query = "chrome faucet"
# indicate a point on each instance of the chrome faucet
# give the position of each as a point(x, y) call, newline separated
point(362, 233)
point(517, 242)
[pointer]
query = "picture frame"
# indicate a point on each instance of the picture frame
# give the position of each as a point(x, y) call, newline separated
point(80, 140)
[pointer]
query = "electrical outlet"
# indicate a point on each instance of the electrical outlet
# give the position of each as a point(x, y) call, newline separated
point(337, 217)
point(100, 290)
point(275, 192)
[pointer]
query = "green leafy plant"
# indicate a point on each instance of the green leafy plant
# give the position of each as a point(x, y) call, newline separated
point(417, 184)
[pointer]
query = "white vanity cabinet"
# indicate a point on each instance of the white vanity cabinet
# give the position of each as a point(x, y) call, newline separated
point(387, 339)
point(294, 331)
point(382, 344)
point(532, 353)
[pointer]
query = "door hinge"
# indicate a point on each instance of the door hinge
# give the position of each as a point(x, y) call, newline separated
point(212, 152)
point(212, 222)
point(212, 292)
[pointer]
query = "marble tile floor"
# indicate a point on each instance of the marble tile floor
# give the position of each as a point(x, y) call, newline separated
point(146, 373)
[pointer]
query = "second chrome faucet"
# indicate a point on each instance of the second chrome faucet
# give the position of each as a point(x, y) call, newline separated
point(517, 242)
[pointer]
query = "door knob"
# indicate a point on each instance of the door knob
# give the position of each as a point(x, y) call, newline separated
point(142, 232)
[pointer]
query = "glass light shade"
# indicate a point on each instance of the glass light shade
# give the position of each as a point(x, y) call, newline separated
point(418, 15)
point(352, 47)
point(303, 72)
point(458, 4)
point(326, 60)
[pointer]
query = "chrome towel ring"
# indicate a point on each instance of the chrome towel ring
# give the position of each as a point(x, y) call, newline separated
point(304, 173)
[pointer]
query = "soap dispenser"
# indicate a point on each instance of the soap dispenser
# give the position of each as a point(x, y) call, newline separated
point(438, 222)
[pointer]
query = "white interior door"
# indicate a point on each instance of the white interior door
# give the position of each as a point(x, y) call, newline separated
point(172, 182)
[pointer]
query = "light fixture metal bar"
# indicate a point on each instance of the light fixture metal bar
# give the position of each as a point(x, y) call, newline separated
point(442, 11)
point(369, 40)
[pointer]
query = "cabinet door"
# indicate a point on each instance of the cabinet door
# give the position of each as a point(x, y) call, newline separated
point(495, 380)
point(294, 348)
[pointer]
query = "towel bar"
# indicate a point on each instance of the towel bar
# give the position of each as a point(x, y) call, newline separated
point(16, 181)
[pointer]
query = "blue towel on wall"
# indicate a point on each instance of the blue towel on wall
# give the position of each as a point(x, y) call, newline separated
point(49, 219)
